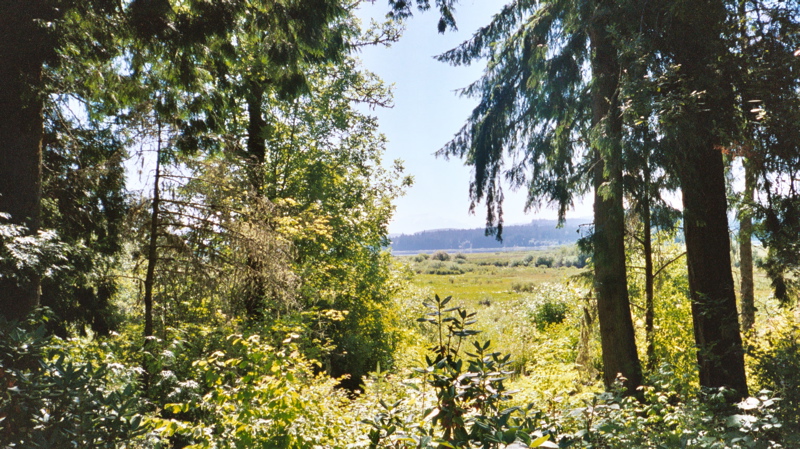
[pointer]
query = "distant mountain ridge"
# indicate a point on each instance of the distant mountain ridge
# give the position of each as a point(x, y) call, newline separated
point(538, 233)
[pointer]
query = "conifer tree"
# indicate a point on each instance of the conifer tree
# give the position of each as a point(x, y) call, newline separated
point(533, 110)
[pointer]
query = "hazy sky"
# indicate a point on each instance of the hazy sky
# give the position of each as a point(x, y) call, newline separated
point(426, 115)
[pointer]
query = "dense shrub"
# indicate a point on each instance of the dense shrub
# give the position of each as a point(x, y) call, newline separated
point(544, 261)
point(777, 365)
point(665, 420)
point(48, 398)
point(549, 312)
point(421, 257)
point(523, 287)
point(441, 256)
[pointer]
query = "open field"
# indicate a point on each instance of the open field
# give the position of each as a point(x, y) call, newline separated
point(495, 276)
point(478, 278)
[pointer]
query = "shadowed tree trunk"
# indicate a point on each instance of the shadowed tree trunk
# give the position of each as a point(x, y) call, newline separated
point(716, 326)
point(649, 275)
point(690, 35)
point(23, 49)
point(616, 327)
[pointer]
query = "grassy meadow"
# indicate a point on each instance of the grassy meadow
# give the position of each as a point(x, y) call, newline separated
point(478, 278)
point(537, 306)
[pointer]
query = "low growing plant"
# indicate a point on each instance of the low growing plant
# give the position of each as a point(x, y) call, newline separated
point(467, 379)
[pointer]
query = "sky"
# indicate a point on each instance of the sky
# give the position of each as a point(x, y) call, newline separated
point(427, 113)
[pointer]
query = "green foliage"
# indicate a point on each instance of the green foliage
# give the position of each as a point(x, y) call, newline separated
point(469, 410)
point(777, 366)
point(533, 108)
point(85, 204)
point(665, 420)
point(245, 392)
point(51, 398)
point(673, 341)
point(549, 312)
point(23, 256)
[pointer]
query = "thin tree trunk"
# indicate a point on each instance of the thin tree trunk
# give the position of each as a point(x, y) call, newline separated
point(616, 326)
point(152, 248)
point(748, 306)
point(22, 52)
point(747, 290)
point(649, 276)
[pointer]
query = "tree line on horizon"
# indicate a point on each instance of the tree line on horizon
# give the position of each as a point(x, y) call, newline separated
point(538, 233)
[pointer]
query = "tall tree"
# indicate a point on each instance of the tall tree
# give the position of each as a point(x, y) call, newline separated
point(533, 107)
point(84, 202)
point(24, 46)
point(31, 35)
point(613, 307)
point(697, 123)
point(767, 82)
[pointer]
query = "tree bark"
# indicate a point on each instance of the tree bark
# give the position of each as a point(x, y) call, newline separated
point(256, 137)
point(696, 46)
point(23, 49)
point(748, 307)
point(716, 326)
point(616, 326)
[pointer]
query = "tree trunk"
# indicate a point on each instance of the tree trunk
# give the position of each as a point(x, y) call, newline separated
point(256, 137)
point(748, 306)
point(649, 277)
point(23, 47)
point(256, 155)
point(716, 326)
point(152, 247)
point(747, 290)
point(697, 46)
point(616, 327)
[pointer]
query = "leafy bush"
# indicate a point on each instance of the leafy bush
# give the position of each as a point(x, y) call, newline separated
point(470, 395)
point(549, 312)
point(777, 365)
point(49, 399)
point(421, 257)
point(664, 420)
point(523, 287)
point(441, 256)
point(544, 261)
point(549, 303)
point(460, 256)
point(247, 392)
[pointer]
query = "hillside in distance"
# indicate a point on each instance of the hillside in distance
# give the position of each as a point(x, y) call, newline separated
point(538, 233)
